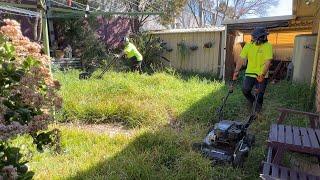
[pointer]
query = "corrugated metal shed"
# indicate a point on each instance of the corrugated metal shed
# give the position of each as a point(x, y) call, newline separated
point(191, 30)
point(204, 60)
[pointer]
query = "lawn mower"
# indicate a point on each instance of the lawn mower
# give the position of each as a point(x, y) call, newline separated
point(89, 71)
point(228, 141)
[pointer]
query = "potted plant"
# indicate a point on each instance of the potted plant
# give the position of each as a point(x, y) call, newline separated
point(208, 44)
point(59, 54)
point(183, 48)
point(194, 47)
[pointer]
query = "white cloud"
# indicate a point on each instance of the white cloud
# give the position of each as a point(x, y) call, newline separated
point(284, 8)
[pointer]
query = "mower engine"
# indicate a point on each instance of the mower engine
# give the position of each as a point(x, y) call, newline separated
point(228, 141)
point(225, 132)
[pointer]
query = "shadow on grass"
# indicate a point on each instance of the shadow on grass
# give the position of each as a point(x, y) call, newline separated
point(165, 152)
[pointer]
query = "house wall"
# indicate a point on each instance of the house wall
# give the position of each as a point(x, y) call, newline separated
point(318, 73)
point(316, 29)
point(318, 86)
point(203, 60)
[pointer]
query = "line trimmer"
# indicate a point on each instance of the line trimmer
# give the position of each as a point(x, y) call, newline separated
point(228, 141)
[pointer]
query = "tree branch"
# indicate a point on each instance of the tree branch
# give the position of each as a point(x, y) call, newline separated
point(194, 14)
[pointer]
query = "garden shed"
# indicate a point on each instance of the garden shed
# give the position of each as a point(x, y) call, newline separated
point(305, 19)
point(283, 32)
point(194, 50)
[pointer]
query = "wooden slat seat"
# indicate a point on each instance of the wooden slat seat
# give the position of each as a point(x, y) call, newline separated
point(297, 139)
point(283, 138)
point(273, 171)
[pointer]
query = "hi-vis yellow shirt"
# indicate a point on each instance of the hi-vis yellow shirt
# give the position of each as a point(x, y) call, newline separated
point(130, 50)
point(257, 56)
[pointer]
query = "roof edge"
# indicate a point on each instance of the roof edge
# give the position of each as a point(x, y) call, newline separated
point(257, 20)
point(190, 30)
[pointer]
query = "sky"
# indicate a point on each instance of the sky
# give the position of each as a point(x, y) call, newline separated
point(283, 8)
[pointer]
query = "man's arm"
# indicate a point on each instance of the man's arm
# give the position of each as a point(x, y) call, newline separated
point(237, 69)
point(266, 67)
point(261, 77)
point(243, 57)
point(239, 64)
point(121, 54)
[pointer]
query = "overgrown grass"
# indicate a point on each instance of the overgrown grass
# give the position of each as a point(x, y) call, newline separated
point(134, 99)
point(158, 149)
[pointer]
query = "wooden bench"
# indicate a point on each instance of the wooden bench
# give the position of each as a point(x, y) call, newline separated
point(313, 117)
point(284, 138)
point(272, 171)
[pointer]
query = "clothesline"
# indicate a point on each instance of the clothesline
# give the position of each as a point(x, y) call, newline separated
point(16, 14)
point(19, 11)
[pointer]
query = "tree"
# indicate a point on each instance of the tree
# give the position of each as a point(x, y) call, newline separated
point(241, 8)
point(199, 13)
point(169, 9)
point(214, 11)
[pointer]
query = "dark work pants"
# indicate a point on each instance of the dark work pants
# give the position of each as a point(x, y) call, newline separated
point(135, 64)
point(248, 84)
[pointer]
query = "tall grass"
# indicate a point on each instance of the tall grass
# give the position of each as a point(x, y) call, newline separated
point(158, 149)
point(133, 99)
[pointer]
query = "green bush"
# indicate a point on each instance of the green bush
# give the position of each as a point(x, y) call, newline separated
point(28, 97)
point(152, 49)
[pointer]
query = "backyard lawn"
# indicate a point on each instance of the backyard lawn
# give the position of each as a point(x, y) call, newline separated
point(154, 120)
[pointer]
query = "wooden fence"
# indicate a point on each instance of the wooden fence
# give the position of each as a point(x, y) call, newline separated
point(195, 50)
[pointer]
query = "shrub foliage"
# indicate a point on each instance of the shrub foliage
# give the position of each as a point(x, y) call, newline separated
point(28, 96)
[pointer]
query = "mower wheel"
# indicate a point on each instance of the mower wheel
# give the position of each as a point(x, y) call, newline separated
point(84, 75)
point(238, 160)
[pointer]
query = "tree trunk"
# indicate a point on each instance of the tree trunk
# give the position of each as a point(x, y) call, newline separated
point(35, 29)
point(194, 16)
point(225, 10)
point(217, 13)
point(39, 29)
point(201, 23)
point(135, 23)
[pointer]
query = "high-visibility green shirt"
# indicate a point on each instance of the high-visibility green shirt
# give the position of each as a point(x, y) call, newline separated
point(257, 56)
point(131, 51)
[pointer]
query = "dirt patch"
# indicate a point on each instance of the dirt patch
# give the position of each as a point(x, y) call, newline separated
point(109, 129)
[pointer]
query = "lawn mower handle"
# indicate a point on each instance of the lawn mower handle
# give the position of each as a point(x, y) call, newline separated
point(107, 67)
point(253, 115)
point(224, 101)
